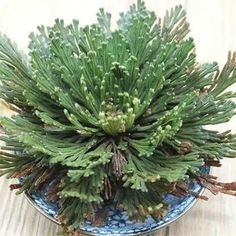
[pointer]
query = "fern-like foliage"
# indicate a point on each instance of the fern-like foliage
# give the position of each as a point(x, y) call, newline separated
point(113, 116)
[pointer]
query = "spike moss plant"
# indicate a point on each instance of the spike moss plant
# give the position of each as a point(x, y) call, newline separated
point(114, 117)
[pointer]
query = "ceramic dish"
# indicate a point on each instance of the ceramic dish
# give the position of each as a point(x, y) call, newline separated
point(118, 223)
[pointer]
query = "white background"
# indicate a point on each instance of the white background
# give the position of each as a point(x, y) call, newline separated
point(213, 26)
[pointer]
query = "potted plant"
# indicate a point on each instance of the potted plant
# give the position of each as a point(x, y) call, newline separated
point(114, 117)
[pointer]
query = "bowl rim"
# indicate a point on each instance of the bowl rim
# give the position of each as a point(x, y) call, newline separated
point(165, 224)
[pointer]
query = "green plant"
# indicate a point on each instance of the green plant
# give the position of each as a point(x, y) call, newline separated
point(114, 117)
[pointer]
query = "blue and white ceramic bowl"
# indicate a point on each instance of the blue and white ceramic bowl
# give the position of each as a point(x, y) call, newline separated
point(118, 223)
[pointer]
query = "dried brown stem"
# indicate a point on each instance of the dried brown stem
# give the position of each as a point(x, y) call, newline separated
point(210, 162)
point(117, 162)
point(52, 194)
point(209, 182)
point(184, 148)
point(182, 189)
point(98, 218)
point(24, 170)
point(107, 188)
point(15, 186)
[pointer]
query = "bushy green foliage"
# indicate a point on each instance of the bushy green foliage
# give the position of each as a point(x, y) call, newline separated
point(113, 116)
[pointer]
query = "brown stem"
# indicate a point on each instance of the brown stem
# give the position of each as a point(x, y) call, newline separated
point(107, 188)
point(15, 186)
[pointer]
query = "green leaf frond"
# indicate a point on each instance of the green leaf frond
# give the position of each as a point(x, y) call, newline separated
point(113, 116)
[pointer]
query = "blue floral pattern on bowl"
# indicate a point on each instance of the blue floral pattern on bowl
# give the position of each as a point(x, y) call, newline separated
point(118, 222)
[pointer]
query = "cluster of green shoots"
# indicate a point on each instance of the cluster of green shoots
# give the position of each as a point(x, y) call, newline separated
point(113, 117)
